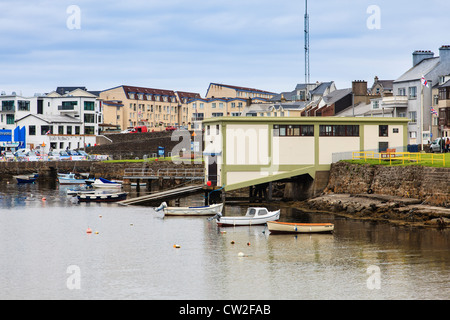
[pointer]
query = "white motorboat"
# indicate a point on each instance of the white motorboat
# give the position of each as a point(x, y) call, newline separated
point(106, 184)
point(254, 216)
point(191, 211)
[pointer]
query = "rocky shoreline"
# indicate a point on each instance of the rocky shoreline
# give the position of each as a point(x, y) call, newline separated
point(392, 209)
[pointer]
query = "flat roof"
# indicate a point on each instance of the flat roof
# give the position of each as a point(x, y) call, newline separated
point(291, 120)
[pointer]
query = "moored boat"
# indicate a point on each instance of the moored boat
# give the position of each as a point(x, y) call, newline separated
point(293, 227)
point(106, 184)
point(93, 196)
point(253, 216)
point(70, 178)
point(191, 211)
point(26, 178)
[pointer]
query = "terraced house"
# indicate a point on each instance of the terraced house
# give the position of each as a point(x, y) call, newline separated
point(129, 106)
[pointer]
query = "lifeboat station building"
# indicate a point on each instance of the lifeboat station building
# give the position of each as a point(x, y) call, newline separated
point(243, 152)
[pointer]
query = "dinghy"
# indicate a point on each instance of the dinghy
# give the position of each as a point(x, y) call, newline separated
point(287, 227)
point(191, 211)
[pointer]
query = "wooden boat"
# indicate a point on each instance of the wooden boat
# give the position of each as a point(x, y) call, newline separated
point(191, 211)
point(253, 216)
point(288, 227)
point(106, 184)
point(26, 178)
point(92, 196)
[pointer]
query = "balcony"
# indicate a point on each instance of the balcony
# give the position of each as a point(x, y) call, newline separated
point(394, 102)
point(66, 108)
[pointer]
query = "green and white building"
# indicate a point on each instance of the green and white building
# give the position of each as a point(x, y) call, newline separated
point(242, 152)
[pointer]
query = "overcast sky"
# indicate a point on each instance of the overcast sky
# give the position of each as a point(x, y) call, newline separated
point(186, 44)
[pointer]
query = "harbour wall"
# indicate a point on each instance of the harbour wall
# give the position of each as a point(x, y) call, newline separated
point(97, 169)
point(428, 184)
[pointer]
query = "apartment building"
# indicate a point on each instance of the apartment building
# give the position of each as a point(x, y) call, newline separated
point(129, 106)
point(56, 120)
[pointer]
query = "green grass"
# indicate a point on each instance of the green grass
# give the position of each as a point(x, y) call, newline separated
point(425, 162)
point(149, 160)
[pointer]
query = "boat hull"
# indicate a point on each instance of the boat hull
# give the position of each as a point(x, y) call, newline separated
point(287, 227)
point(247, 221)
point(26, 179)
point(194, 211)
point(109, 197)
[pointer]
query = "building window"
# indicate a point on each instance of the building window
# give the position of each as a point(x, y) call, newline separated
point(376, 104)
point(8, 105)
point(89, 130)
point(68, 105)
point(395, 130)
point(23, 105)
point(217, 114)
point(383, 130)
point(60, 129)
point(402, 91)
point(413, 116)
point(89, 106)
point(412, 92)
point(69, 129)
point(293, 130)
point(46, 129)
point(9, 119)
point(339, 130)
point(32, 130)
point(213, 105)
point(89, 118)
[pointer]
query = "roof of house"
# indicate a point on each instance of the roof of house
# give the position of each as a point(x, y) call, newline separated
point(336, 95)
point(162, 92)
point(53, 118)
point(64, 90)
point(421, 69)
point(237, 88)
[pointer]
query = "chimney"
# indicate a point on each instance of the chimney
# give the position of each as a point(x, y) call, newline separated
point(359, 87)
point(420, 55)
point(444, 53)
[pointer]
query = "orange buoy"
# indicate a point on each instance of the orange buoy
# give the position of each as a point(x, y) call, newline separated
point(89, 230)
point(44, 198)
point(248, 243)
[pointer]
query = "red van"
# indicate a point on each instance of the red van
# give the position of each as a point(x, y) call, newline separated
point(139, 129)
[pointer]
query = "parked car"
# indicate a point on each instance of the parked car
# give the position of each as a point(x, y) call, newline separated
point(21, 152)
point(8, 155)
point(139, 129)
point(170, 128)
point(64, 155)
point(53, 156)
point(127, 130)
point(436, 145)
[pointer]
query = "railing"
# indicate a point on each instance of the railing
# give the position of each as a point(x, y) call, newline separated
point(165, 172)
point(399, 156)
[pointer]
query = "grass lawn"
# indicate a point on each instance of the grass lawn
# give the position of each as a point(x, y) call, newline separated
point(426, 161)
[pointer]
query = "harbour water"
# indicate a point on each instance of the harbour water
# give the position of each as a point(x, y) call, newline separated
point(45, 253)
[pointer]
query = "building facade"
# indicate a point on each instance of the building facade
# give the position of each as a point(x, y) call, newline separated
point(62, 121)
point(157, 109)
point(241, 152)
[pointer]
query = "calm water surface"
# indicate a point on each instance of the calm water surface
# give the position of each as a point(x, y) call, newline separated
point(132, 256)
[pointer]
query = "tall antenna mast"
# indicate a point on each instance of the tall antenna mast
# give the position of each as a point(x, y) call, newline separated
point(307, 74)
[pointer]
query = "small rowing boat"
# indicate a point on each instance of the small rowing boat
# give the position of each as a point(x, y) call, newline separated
point(86, 196)
point(26, 178)
point(253, 216)
point(288, 227)
point(191, 211)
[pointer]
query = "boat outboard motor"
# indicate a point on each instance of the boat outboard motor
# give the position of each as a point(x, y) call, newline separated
point(217, 217)
point(161, 207)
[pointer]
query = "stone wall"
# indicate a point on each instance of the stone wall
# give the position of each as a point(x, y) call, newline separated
point(430, 185)
point(135, 145)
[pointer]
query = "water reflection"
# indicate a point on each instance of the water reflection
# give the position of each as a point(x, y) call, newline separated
point(133, 256)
